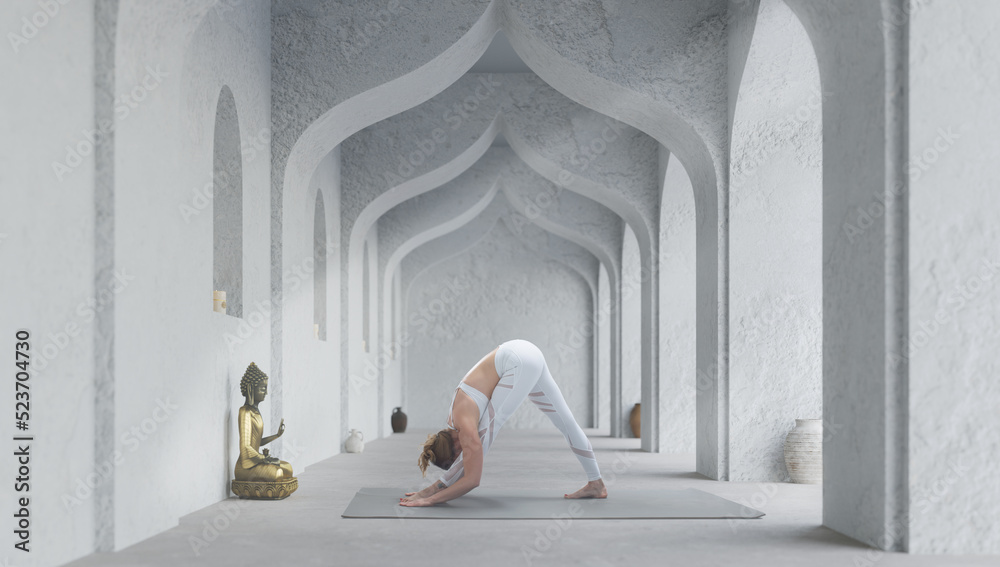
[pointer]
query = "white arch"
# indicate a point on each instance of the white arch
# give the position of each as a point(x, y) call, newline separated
point(640, 110)
point(542, 220)
point(435, 178)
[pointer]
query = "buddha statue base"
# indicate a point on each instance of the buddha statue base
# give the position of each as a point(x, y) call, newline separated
point(265, 490)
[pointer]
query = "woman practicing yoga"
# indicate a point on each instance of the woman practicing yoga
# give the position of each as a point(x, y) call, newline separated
point(493, 389)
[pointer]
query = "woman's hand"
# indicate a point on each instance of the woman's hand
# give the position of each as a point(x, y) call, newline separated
point(415, 501)
point(429, 490)
point(422, 494)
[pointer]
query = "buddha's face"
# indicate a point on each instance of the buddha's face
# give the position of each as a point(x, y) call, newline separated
point(260, 391)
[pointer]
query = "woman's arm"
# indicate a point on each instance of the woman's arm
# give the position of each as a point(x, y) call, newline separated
point(473, 452)
point(450, 476)
point(428, 490)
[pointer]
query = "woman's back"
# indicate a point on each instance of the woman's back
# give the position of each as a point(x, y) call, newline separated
point(484, 378)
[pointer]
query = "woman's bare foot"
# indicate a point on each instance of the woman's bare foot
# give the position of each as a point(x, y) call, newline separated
point(593, 489)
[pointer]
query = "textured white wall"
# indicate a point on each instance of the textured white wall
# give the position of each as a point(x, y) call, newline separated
point(954, 308)
point(863, 274)
point(509, 292)
point(311, 367)
point(169, 345)
point(603, 350)
point(775, 251)
point(677, 312)
point(631, 329)
point(364, 378)
point(47, 250)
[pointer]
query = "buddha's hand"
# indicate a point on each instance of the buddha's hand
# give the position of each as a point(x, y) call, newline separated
point(281, 428)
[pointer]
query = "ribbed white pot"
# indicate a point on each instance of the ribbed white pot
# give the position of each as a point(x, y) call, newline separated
point(804, 451)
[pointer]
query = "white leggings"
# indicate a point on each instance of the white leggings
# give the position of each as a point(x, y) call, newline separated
point(524, 374)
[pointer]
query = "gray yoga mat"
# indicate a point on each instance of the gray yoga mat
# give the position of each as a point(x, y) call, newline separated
point(528, 504)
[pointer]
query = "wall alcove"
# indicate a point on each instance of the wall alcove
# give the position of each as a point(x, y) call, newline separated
point(227, 205)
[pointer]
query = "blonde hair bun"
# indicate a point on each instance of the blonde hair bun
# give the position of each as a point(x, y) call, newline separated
point(436, 449)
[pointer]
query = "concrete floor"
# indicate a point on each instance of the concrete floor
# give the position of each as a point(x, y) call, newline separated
point(306, 528)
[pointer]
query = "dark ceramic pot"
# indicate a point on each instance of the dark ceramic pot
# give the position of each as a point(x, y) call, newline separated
point(398, 420)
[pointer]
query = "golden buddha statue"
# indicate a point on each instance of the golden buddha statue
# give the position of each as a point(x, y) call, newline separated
point(259, 475)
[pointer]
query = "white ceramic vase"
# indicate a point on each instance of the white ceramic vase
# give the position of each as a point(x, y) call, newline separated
point(804, 451)
point(355, 442)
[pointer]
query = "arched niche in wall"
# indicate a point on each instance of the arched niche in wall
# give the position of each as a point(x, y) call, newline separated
point(319, 268)
point(227, 204)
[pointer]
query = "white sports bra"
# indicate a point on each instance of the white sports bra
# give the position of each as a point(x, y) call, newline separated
point(479, 397)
